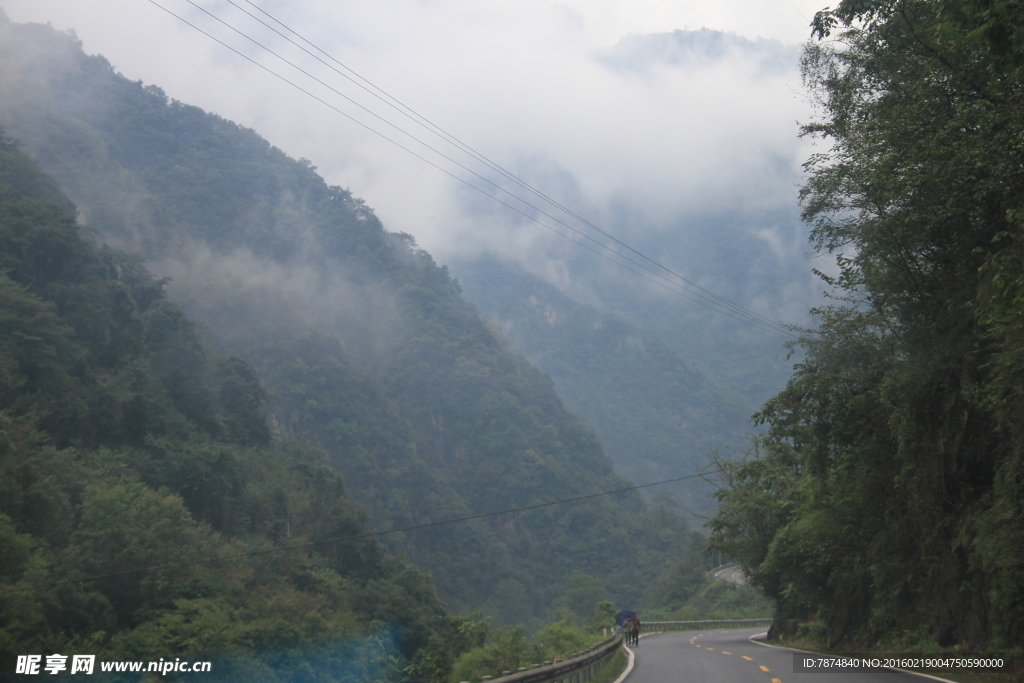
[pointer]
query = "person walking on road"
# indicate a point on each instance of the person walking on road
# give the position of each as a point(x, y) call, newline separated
point(628, 624)
point(635, 633)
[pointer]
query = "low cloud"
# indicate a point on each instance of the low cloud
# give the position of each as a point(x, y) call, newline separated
point(611, 108)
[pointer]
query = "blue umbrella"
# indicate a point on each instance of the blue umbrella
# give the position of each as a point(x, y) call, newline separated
point(621, 617)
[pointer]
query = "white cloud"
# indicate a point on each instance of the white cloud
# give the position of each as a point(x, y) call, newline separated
point(526, 82)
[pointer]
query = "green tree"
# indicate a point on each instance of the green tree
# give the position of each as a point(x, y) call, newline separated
point(131, 458)
point(458, 635)
point(364, 343)
point(583, 593)
point(241, 396)
point(870, 506)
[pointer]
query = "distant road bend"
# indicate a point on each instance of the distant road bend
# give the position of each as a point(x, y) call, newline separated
point(728, 656)
point(732, 574)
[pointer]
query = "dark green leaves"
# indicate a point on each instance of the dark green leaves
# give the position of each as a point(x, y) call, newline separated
point(867, 512)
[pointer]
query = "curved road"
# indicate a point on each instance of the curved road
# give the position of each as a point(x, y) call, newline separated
point(727, 656)
point(732, 574)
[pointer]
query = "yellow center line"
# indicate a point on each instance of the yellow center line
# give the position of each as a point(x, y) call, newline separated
point(726, 653)
point(747, 658)
point(711, 649)
point(776, 680)
point(764, 668)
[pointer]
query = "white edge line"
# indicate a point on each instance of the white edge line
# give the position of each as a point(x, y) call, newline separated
point(629, 666)
point(793, 649)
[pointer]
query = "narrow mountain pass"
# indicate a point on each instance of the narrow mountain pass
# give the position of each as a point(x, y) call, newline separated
point(728, 656)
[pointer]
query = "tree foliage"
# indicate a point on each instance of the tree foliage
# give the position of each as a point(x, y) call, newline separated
point(886, 498)
point(657, 413)
point(365, 346)
point(132, 459)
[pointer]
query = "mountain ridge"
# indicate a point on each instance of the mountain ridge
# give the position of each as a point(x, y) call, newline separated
point(366, 346)
point(657, 413)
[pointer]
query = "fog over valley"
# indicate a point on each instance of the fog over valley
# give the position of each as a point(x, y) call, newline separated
point(647, 133)
point(679, 142)
point(428, 342)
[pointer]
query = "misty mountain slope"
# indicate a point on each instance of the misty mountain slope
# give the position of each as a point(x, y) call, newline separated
point(131, 456)
point(366, 346)
point(657, 414)
point(721, 251)
point(711, 194)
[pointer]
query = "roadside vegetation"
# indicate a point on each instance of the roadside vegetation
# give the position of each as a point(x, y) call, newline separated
point(689, 592)
point(468, 648)
point(882, 509)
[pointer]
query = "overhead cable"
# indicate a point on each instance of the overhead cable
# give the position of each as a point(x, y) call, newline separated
point(778, 331)
point(704, 297)
point(756, 319)
point(424, 122)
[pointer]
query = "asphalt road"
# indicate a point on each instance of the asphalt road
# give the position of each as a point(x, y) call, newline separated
point(732, 575)
point(727, 656)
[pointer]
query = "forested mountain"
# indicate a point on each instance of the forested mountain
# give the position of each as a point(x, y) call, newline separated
point(658, 415)
point(717, 208)
point(365, 345)
point(884, 507)
point(131, 456)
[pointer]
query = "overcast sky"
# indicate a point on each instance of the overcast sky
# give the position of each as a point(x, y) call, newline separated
point(540, 87)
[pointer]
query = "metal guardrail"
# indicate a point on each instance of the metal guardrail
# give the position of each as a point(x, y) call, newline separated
point(690, 625)
point(579, 668)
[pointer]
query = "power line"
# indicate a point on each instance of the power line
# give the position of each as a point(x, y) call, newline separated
point(354, 537)
point(421, 120)
point(781, 331)
point(769, 326)
point(735, 308)
point(705, 297)
point(714, 302)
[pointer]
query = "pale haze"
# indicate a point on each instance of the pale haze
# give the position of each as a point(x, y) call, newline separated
point(535, 86)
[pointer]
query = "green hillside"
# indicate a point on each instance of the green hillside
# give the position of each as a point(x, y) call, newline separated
point(131, 456)
point(365, 345)
point(884, 506)
point(658, 415)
